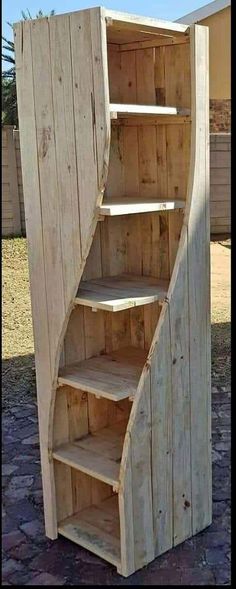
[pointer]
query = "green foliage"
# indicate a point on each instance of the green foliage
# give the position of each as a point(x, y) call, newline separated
point(9, 101)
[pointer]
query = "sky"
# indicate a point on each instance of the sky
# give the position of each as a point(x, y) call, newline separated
point(163, 9)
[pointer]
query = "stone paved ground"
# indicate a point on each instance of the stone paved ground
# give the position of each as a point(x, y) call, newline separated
point(30, 559)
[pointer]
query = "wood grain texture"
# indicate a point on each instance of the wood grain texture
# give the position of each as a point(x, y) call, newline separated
point(51, 171)
point(138, 327)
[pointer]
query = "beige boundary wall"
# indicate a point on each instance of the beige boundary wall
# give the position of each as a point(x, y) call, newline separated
point(13, 216)
point(220, 182)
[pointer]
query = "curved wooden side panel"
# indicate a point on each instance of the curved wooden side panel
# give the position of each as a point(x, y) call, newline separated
point(165, 475)
point(64, 133)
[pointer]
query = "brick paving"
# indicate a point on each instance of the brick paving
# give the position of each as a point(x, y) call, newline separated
point(31, 559)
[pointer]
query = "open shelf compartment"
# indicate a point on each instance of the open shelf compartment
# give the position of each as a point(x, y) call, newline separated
point(98, 454)
point(113, 376)
point(116, 293)
point(96, 528)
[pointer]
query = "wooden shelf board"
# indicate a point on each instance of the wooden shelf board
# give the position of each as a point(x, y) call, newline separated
point(98, 454)
point(124, 110)
point(116, 293)
point(114, 376)
point(97, 529)
point(129, 206)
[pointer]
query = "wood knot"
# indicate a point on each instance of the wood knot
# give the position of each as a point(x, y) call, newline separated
point(186, 504)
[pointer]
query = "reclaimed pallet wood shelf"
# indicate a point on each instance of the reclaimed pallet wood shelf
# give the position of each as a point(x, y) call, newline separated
point(117, 293)
point(97, 529)
point(114, 149)
point(98, 454)
point(130, 206)
point(128, 110)
point(113, 376)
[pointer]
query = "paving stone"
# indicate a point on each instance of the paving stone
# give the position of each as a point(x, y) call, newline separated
point(45, 579)
point(10, 566)
point(30, 468)
point(22, 511)
point(34, 529)
point(24, 551)
point(22, 481)
point(24, 458)
point(34, 440)
point(12, 539)
point(214, 556)
point(24, 432)
point(197, 577)
point(8, 524)
point(8, 469)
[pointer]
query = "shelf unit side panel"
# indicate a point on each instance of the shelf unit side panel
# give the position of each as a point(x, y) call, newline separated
point(53, 141)
point(199, 289)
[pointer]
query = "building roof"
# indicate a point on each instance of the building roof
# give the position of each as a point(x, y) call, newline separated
point(204, 12)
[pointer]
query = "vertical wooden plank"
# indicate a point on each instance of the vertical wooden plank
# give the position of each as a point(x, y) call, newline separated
point(160, 76)
point(181, 401)
point(93, 324)
point(199, 300)
point(75, 338)
point(51, 214)
point(131, 161)
point(114, 71)
point(177, 75)
point(162, 168)
point(151, 316)
point(33, 214)
point(178, 155)
point(208, 519)
point(128, 88)
point(175, 222)
point(133, 245)
point(126, 515)
point(98, 411)
point(93, 266)
point(60, 422)
point(64, 501)
point(62, 95)
point(137, 326)
point(77, 408)
point(164, 269)
point(161, 410)
point(114, 245)
point(13, 181)
point(145, 74)
point(150, 239)
point(101, 93)
point(81, 490)
point(147, 163)
point(115, 181)
point(120, 327)
point(84, 121)
point(141, 479)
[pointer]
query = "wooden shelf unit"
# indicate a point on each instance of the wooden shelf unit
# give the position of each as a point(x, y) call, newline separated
point(118, 133)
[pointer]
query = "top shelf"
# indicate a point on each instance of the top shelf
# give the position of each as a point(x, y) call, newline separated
point(127, 110)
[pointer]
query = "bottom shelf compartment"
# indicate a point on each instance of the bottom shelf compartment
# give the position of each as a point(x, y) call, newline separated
point(96, 528)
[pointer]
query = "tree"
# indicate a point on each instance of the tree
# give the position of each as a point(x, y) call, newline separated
point(9, 100)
